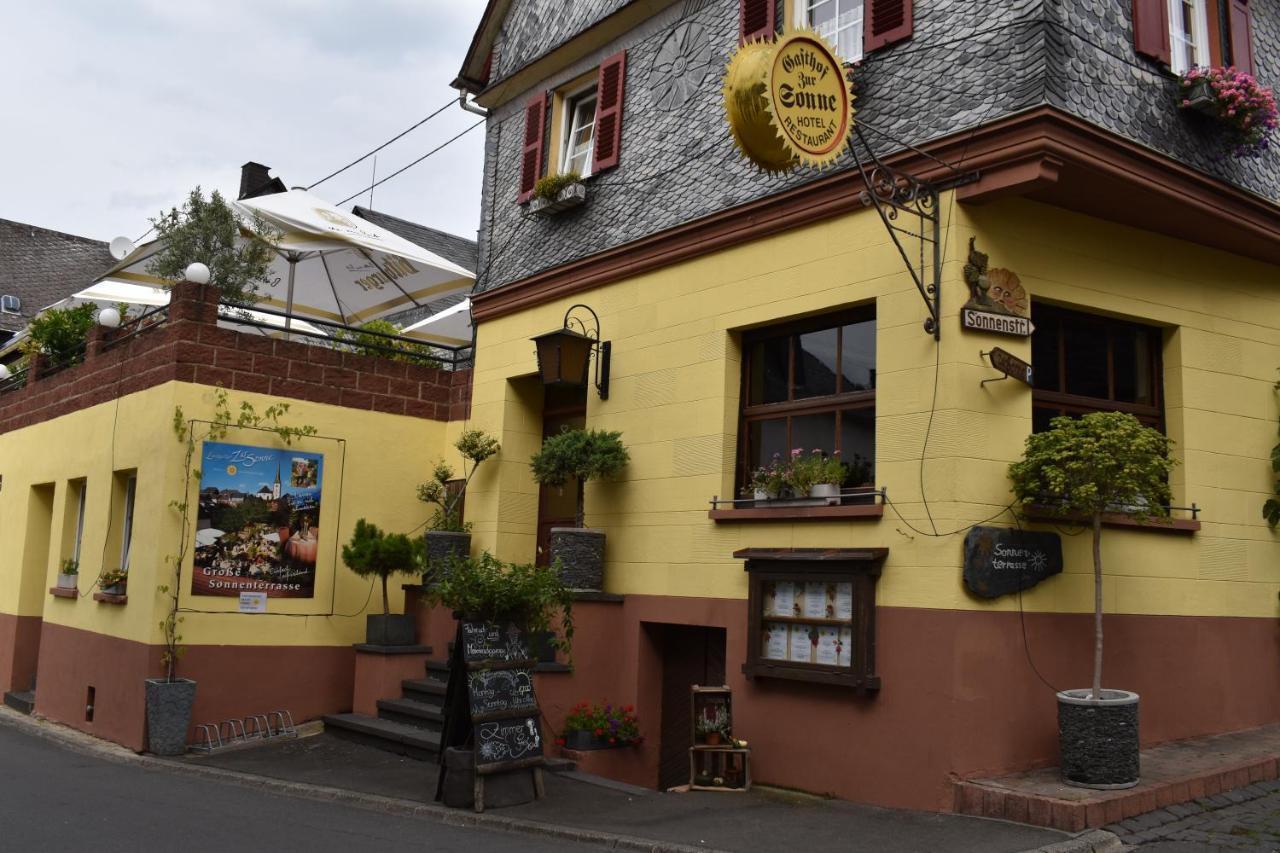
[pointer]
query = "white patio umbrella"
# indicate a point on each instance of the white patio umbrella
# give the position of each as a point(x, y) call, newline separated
point(452, 326)
point(329, 264)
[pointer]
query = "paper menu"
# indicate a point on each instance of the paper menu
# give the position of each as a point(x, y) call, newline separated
point(815, 600)
point(845, 656)
point(843, 604)
point(774, 641)
point(783, 600)
point(827, 652)
point(801, 646)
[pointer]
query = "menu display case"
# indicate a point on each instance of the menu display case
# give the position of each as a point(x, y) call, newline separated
point(812, 614)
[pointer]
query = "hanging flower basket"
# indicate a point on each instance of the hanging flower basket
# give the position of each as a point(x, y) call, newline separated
point(1234, 99)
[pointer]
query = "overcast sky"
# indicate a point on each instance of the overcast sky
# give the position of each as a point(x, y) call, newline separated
point(114, 110)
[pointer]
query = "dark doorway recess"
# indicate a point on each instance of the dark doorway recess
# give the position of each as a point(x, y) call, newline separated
point(562, 408)
point(691, 654)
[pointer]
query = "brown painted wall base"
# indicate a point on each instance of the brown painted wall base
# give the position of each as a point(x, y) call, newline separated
point(233, 681)
point(959, 697)
point(19, 651)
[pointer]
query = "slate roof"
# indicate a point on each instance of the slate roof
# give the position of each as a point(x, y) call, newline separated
point(451, 247)
point(969, 63)
point(41, 266)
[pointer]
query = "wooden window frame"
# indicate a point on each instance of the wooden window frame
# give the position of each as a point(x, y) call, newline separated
point(1203, 39)
point(1077, 404)
point(859, 567)
point(838, 403)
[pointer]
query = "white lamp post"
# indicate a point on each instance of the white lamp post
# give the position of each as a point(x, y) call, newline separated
point(109, 318)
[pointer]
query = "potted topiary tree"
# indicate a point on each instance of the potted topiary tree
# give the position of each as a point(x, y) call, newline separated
point(374, 554)
point(1083, 468)
point(579, 455)
point(449, 536)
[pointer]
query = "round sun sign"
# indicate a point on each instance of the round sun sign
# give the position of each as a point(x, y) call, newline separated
point(788, 102)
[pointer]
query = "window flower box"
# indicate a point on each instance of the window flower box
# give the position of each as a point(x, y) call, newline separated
point(567, 198)
point(1235, 100)
point(1199, 98)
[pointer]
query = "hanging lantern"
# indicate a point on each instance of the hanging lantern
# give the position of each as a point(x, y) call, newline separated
point(564, 354)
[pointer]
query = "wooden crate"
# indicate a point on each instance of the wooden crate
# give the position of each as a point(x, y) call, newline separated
point(729, 763)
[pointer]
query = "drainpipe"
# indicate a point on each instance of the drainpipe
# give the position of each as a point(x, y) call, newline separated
point(470, 107)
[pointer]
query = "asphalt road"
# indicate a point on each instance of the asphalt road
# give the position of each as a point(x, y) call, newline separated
point(53, 799)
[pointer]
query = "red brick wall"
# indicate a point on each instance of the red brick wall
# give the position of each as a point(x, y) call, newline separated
point(189, 347)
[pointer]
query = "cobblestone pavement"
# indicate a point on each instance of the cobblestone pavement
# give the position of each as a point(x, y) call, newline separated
point(1243, 819)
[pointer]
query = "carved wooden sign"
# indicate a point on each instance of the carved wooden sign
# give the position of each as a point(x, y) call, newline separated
point(1010, 365)
point(997, 300)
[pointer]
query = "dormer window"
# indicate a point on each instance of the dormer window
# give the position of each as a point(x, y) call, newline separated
point(10, 305)
point(1188, 35)
point(579, 139)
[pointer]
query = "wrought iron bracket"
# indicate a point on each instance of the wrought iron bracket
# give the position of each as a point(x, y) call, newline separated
point(894, 193)
point(603, 349)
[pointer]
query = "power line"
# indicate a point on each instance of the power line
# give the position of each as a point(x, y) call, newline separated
point(447, 142)
point(400, 135)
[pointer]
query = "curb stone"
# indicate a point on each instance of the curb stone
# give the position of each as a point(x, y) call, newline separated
point(1093, 841)
point(87, 744)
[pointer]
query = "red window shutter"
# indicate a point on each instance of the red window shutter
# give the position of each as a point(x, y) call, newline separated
point(613, 72)
point(535, 119)
point(756, 19)
point(885, 22)
point(1241, 36)
point(1151, 29)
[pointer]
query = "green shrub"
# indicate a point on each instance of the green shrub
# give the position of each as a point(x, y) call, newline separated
point(487, 589)
point(372, 553)
point(579, 455)
point(59, 334)
point(380, 347)
point(549, 188)
point(475, 446)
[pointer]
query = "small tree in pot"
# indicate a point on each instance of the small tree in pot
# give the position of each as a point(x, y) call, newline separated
point(449, 535)
point(374, 554)
point(579, 455)
point(1086, 467)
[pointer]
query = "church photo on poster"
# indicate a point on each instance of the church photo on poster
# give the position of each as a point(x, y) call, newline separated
point(258, 526)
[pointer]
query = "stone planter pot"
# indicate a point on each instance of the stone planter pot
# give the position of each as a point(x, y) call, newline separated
point(393, 630)
point(1200, 99)
point(574, 195)
point(1098, 739)
point(825, 490)
point(169, 714)
point(442, 545)
point(585, 741)
point(68, 581)
point(581, 555)
point(510, 788)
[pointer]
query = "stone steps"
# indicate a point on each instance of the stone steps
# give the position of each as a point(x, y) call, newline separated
point(23, 702)
point(423, 715)
point(400, 738)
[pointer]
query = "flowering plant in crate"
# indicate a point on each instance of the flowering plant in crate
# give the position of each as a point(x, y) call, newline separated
point(768, 480)
point(1237, 101)
point(600, 726)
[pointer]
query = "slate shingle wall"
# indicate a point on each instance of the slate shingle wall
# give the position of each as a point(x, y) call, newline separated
point(970, 62)
point(41, 267)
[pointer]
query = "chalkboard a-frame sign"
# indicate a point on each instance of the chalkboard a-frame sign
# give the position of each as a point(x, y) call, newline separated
point(490, 704)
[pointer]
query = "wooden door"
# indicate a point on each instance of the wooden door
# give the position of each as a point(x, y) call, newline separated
point(562, 408)
point(691, 654)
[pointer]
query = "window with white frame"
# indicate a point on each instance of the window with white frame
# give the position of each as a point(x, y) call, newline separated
point(1188, 35)
point(81, 492)
point(579, 132)
point(838, 21)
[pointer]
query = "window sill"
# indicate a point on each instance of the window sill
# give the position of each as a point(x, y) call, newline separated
point(841, 677)
point(62, 592)
point(796, 513)
point(1183, 526)
point(108, 598)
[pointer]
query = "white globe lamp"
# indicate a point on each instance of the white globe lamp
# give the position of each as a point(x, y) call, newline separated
point(197, 272)
point(4, 373)
point(109, 318)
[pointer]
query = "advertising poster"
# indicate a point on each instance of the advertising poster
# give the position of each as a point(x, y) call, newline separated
point(258, 526)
